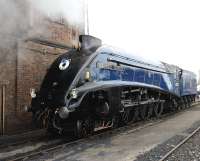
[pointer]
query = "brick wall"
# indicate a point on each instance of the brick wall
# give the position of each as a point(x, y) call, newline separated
point(23, 65)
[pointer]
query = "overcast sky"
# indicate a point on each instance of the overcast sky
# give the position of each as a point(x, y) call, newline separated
point(164, 30)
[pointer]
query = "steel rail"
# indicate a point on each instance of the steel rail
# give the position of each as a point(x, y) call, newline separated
point(152, 122)
point(64, 145)
point(179, 144)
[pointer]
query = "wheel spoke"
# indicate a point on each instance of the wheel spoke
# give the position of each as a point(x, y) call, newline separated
point(125, 116)
point(158, 109)
point(83, 128)
point(143, 112)
point(149, 111)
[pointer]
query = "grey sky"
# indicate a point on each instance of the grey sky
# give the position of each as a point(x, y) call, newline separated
point(165, 30)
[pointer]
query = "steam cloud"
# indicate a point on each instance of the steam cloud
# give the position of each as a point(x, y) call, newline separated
point(72, 10)
point(15, 16)
point(13, 19)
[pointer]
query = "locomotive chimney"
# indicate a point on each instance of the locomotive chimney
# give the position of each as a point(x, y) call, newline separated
point(89, 42)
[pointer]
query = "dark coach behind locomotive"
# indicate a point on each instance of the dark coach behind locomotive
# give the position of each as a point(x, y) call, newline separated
point(98, 87)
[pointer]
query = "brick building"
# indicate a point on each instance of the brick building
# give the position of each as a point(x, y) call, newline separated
point(25, 55)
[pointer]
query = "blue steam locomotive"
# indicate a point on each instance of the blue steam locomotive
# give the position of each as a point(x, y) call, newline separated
point(96, 87)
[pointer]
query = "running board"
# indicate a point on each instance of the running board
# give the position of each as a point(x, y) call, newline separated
point(129, 103)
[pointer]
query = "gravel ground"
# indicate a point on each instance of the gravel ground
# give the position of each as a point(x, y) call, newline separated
point(190, 151)
point(160, 150)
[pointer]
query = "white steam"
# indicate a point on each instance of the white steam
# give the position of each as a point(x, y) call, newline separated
point(70, 10)
point(16, 16)
point(13, 17)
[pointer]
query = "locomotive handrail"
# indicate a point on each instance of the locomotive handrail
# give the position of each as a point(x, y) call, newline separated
point(137, 61)
point(128, 64)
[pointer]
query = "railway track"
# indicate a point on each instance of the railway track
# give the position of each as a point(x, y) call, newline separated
point(13, 140)
point(68, 143)
point(181, 143)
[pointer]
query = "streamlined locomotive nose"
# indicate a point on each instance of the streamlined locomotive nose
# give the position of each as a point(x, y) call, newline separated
point(58, 95)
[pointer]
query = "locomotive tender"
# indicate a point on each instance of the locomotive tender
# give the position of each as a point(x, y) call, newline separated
point(97, 86)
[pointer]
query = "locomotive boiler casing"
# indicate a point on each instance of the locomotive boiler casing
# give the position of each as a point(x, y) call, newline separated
point(92, 78)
